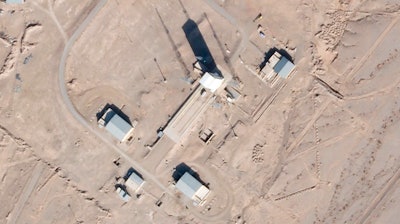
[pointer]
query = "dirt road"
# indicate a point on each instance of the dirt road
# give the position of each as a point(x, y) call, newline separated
point(245, 37)
point(26, 192)
point(78, 117)
point(379, 197)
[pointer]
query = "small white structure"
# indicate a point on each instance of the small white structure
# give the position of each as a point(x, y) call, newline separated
point(123, 194)
point(211, 81)
point(192, 188)
point(134, 182)
point(232, 94)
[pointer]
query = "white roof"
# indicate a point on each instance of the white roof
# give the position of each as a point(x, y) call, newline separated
point(202, 192)
point(191, 187)
point(211, 82)
point(284, 67)
point(15, 1)
point(118, 127)
point(134, 182)
point(123, 194)
point(274, 59)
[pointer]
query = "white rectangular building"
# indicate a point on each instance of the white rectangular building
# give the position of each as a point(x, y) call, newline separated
point(211, 81)
point(123, 194)
point(116, 125)
point(278, 67)
point(15, 1)
point(134, 182)
point(192, 188)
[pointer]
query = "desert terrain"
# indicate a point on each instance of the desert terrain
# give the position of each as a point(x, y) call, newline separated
point(321, 146)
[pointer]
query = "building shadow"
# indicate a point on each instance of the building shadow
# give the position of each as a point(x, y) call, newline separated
point(271, 51)
point(181, 169)
point(199, 45)
point(129, 173)
point(178, 55)
point(123, 187)
point(116, 110)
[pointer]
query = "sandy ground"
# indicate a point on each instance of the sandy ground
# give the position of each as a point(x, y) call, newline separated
point(298, 152)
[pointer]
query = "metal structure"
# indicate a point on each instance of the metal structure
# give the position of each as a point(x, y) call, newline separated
point(134, 182)
point(192, 188)
point(117, 126)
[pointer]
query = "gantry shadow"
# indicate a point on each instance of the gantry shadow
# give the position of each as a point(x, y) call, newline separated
point(199, 45)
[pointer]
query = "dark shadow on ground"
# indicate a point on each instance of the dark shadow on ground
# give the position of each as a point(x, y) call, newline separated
point(181, 169)
point(174, 47)
point(271, 51)
point(129, 173)
point(110, 115)
point(123, 187)
point(198, 45)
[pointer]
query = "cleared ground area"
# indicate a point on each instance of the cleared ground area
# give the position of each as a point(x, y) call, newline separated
point(318, 147)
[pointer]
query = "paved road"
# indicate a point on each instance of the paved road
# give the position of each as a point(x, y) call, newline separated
point(64, 94)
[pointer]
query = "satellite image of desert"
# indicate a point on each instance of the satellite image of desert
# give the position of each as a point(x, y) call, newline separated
point(199, 111)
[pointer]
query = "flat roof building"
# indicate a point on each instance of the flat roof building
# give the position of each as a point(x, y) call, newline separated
point(123, 194)
point(116, 125)
point(15, 1)
point(184, 119)
point(211, 81)
point(192, 188)
point(277, 67)
point(284, 67)
point(134, 182)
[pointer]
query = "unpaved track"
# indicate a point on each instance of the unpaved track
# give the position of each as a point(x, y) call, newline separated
point(68, 103)
point(50, 12)
point(245, 39)
point(322, 145)
point(379, 197)
point(310, 125)
point(349, 75)
point(26, 193)
point(371, 50)
point(382, 91)
point(265, 105)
